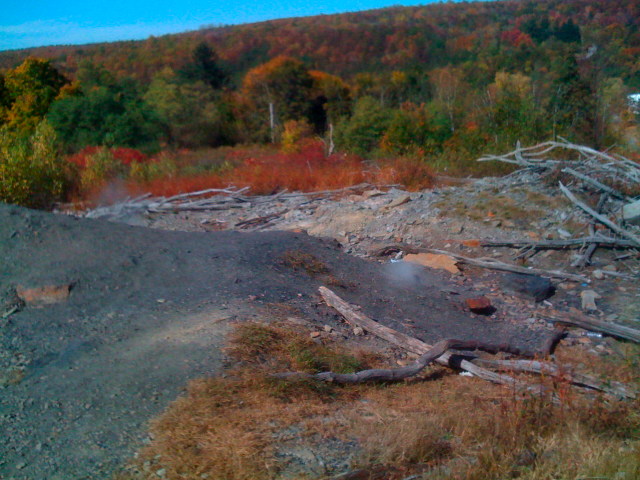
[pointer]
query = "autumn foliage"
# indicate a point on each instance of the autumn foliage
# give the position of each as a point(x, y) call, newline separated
point(308, 169)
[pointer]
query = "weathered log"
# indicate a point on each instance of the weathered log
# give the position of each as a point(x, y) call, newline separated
point(612, 329)
point(598, 240)
point(497, 265)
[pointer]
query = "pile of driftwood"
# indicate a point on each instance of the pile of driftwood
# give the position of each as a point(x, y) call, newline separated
point(610, 176)
point(219, 199)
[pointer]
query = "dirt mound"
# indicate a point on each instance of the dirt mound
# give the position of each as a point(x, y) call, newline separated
point(148, 309)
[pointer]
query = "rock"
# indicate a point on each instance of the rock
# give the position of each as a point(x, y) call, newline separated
point(474, 243)
point(46, 295)
point(539, 288)
point(161, 472)
point(358, 331)
point(589, 300)
point(631, 212)
point(481, 305)
point(496, 223)
point(372, 193)
point(401, 200)
point(564, 234)
point(456, 227)
point(328, 328)
point(597, 274)
point(315, 334)
point(434, 260)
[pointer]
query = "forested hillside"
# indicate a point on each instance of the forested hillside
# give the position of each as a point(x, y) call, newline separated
point(482, 37)
point(434, 85)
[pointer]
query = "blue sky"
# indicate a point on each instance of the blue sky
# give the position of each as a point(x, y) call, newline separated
point(29, 23)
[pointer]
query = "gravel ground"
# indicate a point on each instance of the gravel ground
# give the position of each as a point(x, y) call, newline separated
point(148, 310)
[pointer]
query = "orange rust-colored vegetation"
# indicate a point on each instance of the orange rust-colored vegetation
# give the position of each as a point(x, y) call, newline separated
point(265, 170)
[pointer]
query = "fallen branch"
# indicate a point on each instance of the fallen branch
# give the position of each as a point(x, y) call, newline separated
point(414, 345)
point(475, 365)
point(562, 372)
point(257, 221)
point(602, 219)
point(598, 240)
point(595, 183)
point(497, 265)
point(395, 374)
point(612, 329)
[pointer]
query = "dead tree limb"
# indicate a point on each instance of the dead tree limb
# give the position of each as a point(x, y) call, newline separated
point(602, 219)
point(612, 329)
point(256, 222)
point(353, 317)
point(598, 240)
point(395, 374)
point(474, 366)
point(595, 183)
point(562, 372)
point(497, 265)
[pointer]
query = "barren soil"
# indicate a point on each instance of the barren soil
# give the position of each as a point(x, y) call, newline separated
point(148, 310)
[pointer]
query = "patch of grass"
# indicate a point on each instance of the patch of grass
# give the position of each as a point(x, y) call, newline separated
point(281, 348)
point(298, 260)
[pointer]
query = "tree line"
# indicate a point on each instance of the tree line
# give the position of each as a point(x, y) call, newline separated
point(541, 77)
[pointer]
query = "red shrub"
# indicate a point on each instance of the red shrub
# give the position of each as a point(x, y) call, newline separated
point(267, 171)
point(80, 158)
point(126, 156)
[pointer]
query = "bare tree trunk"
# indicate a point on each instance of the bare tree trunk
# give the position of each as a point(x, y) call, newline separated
point(272, 122)
point(332, 145)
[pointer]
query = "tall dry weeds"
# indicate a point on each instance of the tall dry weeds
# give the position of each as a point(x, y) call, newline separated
point(440, 426)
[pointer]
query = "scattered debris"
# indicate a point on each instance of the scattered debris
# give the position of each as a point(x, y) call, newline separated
point(589, 300)
point(414, 345)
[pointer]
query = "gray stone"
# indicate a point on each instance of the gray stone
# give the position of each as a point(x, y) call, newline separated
point(631, 212)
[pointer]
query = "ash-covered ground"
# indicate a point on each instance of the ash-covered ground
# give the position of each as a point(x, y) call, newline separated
point(148, 310)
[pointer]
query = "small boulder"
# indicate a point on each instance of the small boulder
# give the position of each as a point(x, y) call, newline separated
point(539, 288)
point(481, 305)
point(631, 212)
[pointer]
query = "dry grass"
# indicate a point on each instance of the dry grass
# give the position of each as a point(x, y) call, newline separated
point(440, 426)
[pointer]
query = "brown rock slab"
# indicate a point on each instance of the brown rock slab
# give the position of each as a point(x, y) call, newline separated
point(46, 295)
point(434, 260)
